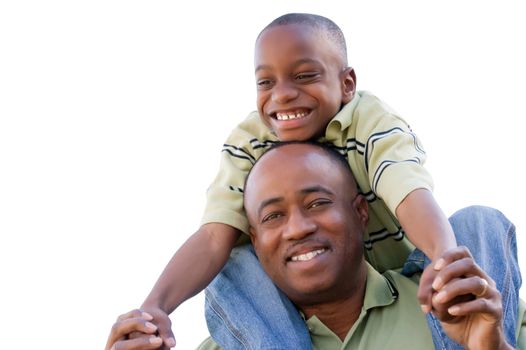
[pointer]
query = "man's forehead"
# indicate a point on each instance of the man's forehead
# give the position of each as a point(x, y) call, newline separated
point(279, 162)
point(300, 155)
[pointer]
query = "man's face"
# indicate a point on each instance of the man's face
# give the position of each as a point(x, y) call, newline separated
point(306, 222)
point(301, 81)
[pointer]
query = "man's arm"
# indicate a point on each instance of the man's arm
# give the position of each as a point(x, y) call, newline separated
point(429, 230)
point(189, 271)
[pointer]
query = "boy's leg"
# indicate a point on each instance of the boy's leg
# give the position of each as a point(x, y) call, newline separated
point(260, 316)
point(490, 237)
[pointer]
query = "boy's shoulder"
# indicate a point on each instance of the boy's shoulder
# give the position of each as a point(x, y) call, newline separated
point(252, 128)
point(371, 104)
point(371, 109)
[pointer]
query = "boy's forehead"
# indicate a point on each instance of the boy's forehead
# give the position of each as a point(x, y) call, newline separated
point(293, 31)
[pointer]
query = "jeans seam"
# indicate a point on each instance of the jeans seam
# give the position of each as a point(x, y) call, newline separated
point(507, 283)
point(214, 306)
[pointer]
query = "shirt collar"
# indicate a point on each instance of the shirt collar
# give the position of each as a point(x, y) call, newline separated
point(343, 119)
point(379, 291)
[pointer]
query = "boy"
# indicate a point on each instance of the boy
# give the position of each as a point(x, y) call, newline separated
point(307, 91)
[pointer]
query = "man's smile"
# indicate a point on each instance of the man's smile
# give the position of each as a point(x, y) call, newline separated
point(308, 256)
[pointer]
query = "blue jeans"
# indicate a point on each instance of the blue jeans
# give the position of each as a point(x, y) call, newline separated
point(245, 310)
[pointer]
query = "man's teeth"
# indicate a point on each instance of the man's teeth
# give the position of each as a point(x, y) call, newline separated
point(289, 116)
point(307, 256)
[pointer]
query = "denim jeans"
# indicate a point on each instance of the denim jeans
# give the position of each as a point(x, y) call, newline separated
point(245, 310)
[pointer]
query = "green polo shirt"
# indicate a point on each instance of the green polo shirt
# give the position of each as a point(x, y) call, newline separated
point(391, 318)
point(385, 157)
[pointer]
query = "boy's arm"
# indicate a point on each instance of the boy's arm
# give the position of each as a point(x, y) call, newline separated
point(429, 230)
point(189, 271)
point(425, 224)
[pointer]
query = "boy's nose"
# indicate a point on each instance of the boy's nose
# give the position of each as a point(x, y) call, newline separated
point(284, 92)
point(299, 225)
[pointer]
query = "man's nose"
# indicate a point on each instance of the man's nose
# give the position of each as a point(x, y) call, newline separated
point(284, 92)
point(299, 225)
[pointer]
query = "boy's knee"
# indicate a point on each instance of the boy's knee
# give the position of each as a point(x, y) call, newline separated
point(481, 224)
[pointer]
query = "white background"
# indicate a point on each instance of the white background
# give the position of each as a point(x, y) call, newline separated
point(113, 114)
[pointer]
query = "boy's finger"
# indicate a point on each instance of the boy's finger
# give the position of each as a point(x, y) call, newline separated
point(425, 290)
point(130, 314)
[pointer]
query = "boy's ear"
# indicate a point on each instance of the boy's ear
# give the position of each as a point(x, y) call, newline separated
point(348, 79)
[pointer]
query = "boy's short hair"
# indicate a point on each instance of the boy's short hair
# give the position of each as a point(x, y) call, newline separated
point(318, 23)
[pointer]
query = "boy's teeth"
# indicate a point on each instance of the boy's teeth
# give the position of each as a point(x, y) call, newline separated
point(307, 256)
point(288, 116)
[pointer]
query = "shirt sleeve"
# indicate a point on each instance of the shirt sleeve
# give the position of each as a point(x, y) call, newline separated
point(224, 198)
point(209, 344)
point(521, 327)
point(394, 159)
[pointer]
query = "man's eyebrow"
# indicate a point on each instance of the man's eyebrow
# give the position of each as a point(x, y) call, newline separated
point(314, 189)
point(268, 202)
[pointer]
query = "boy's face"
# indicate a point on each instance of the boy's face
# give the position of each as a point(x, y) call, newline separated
point(301, 80)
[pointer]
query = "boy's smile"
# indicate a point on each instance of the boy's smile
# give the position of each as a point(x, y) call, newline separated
point(302, 81)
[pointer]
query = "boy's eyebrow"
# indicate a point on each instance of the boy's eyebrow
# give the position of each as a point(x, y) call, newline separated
point(295, 64)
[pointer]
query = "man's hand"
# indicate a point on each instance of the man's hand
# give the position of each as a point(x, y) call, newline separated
point(164, 326)
point(467, 302)
point(136, 322)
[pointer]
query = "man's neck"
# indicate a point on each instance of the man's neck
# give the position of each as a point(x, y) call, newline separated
point(340, 315)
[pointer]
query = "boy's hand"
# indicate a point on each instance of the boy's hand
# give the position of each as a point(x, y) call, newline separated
point(133, 322)
point(473, 304)
point(425, 288)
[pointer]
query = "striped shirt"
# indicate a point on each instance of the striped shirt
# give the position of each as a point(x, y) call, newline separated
point(383, 153)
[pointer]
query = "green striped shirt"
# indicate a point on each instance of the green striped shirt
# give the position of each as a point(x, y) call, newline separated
point(383, 153)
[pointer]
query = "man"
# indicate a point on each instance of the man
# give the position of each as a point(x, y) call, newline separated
point(307, 220)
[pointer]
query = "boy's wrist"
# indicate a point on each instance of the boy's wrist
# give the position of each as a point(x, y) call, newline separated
point(439, 251)
point(152, 303)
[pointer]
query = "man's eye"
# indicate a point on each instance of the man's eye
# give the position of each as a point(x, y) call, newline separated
point(318, 203)
point(271, 216)
point(263, 83)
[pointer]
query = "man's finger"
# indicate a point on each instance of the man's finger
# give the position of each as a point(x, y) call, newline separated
point(142, 343)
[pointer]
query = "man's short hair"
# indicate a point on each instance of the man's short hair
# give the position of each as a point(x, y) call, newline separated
point(327, 148)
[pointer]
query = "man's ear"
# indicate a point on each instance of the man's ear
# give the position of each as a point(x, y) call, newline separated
point(252, 234)
point(362, 209)
point(348, 79)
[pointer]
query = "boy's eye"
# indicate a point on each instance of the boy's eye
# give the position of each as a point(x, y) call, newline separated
point(306, 76)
